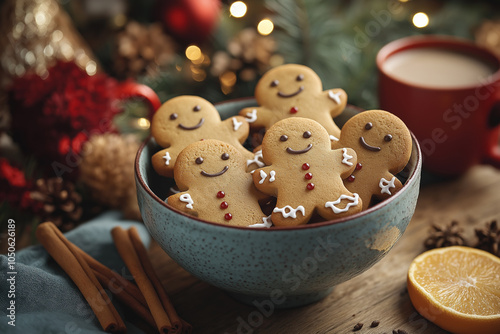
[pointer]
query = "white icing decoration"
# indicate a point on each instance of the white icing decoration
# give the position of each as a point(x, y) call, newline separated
point(251, 116)
point(186, 198)
point(236, 124)
point(255, 160)
point(175, 191)
point(291, 211)
point(272, 176)
point(385, 185)
point(333, 138)
point(347, 157)
point(334, 96)
point(263, 176)
point(354, 201)
point(167, 158)
point(267, 223)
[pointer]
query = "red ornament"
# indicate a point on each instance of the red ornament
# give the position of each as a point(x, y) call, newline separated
point(221, 194)
point(294, 110)
point(228, 216)
point(310, 186)
point(190, 21)
point(306, 166)
point(308, 176)
point(351, 178)
point(224, 205)
point(359, 166)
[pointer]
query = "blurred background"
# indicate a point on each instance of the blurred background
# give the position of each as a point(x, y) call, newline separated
point(68, 132)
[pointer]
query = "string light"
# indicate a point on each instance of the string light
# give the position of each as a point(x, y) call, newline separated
point(143, 123)
point(193, 53)
point(420, 20)
point(265, 27)
point(238, 9)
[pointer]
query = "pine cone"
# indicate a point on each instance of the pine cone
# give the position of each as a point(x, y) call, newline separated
point(60, 202)
point(107, 169)
point(444, 236)
point(143, 50)
point(489, 238)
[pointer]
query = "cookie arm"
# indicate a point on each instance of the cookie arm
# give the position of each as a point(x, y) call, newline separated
point(348, 160)
point(388, 185)
point(238, 127)
point(257, 117)
point(163, 162)
point(183, 202)
point(265, 180)
point(338, 99)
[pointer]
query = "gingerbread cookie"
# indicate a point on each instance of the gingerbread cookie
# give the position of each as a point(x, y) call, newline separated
point(304, 173)
point(383, 144)
point(295, 91)
point(187, 119)
point(214, 185)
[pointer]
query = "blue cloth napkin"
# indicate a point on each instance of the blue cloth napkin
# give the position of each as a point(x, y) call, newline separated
point(46, 300)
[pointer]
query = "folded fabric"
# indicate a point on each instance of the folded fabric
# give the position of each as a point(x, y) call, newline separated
point(46, 300)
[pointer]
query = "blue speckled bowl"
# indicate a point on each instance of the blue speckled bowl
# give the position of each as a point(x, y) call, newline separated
point(287, 266)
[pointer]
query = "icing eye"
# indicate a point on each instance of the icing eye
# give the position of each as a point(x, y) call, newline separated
point(300, 77)
point(199, 160)
point(388, 137)
point(307, 134)
point(274, 83)
point(224, 156)
point(368, 126)
point(284, 138)
point(173, 116)
point(197, 108)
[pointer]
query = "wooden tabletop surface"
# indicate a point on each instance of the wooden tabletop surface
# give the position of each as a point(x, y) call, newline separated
point(379, 294)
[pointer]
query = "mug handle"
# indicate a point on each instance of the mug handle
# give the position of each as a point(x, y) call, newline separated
point(493, 152)
point(130, 89)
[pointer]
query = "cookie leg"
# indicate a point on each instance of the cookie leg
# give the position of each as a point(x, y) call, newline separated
point(344, 205)
point(291, 214)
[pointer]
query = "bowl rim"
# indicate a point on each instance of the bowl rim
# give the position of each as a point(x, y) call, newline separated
point(147, 189)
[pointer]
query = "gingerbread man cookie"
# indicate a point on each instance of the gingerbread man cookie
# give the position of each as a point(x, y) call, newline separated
point(215, 186)
point(186, 119)
point(295, 91)
point(304, 173)
point(383, 144)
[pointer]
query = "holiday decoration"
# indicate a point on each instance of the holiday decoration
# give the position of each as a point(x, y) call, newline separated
point(189, 21)
point(55, 115)
point(444, 236)
point(36, 33)
point(107, 170)
point(14, 188)
point(489, 238)
point(143, 50)
point(59, 202)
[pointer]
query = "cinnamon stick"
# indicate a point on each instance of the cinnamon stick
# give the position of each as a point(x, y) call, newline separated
point(151, 274)
point(129, 255)
point(79, 271)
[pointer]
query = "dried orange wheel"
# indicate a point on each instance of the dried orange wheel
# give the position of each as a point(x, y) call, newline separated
point(458, 289)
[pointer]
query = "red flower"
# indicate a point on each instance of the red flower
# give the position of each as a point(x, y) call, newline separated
point(14, 188)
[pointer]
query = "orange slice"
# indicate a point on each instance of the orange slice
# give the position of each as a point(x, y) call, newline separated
point(457, 288)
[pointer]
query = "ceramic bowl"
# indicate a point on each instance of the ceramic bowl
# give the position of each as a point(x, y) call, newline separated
point(286, 266)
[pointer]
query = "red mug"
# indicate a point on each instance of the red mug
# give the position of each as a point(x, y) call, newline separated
point(457, 126)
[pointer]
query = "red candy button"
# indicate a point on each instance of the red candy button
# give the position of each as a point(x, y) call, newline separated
point(359, 166)
point(228, 216)
point(305, 166)
point(224, 205)
point(221, 194)
point(310, 186)
point(308, 176)
point(294, 110)
point(351, 178)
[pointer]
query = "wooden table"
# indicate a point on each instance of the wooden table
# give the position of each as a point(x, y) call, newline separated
point(378, 294)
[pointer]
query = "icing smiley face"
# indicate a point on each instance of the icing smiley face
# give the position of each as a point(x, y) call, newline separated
point(214, 185)
point(295, 91)
point(187, 119)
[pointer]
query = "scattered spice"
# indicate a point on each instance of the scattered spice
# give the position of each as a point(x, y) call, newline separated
point(357, 327)
point(444, 236)
point(375, 323)
point(489, 238)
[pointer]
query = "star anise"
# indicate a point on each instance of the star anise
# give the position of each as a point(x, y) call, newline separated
point(444, 236)
point(489, 238)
